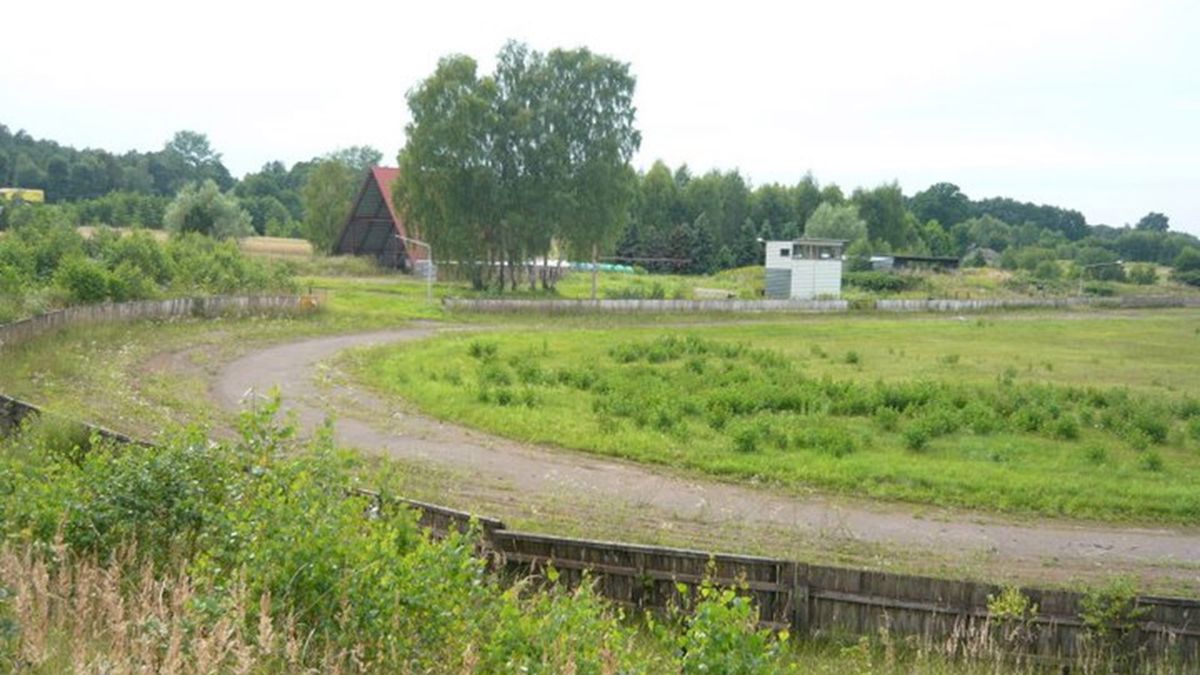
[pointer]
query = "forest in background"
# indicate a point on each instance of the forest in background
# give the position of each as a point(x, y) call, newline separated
point(677, 221)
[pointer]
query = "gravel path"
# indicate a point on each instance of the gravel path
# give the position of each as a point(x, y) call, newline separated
point(296, 367)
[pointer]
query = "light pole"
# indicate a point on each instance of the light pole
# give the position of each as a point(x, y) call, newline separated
point(1084, 268)
point(428, 265)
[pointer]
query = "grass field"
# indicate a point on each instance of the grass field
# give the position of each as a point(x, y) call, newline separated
point(1091, 416)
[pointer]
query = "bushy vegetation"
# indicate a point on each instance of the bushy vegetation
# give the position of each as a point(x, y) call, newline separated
point(254, 556)
point(729, 408)
point(46, 264)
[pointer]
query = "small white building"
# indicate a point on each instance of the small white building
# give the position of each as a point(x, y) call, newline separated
point(804, 269)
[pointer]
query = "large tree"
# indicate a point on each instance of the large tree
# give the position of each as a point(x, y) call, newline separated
point(498, 167)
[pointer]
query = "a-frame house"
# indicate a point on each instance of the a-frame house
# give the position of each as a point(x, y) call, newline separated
point(374, 227)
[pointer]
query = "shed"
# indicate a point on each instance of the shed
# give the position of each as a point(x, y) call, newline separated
point(913, 262)
point(375, 228)
point(804, 269)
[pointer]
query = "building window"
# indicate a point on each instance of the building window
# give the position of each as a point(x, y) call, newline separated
point(783, 252)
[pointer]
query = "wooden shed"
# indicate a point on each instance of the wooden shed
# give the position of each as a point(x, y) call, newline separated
point(375, 228)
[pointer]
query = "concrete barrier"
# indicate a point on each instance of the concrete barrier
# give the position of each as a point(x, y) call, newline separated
point(22, 331)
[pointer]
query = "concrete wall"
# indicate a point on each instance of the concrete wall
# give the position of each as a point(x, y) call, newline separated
point(643, 306)
point(20, 331)
point(777, 305)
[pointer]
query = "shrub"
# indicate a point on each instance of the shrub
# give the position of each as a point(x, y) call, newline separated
point(1015, 614)
point(483, 350)
point(1047, 270)
point(916, 437)
point(1188, 260)
point(887, 418)
point(881, 282)
point(1066, 428)
point(722, 636)
point(1150, 461)
point(1110, 614)
point(852, 358)
point(203, 209)
point(746, 438)
point(84, 279)
point(1190, 278)
point(1143, 274)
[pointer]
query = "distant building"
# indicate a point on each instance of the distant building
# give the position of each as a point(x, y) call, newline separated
point(804, 269)
point(22, 194)
point(889, 263)
point(375, 228)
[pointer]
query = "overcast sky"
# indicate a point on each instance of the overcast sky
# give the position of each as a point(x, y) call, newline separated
point(1089, 105)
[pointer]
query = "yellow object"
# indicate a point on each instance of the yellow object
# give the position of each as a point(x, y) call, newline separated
point(23, 194)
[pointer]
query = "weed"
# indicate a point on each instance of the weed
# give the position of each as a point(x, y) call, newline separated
point(483, 350)
point(1150, 461)
point(916, 437)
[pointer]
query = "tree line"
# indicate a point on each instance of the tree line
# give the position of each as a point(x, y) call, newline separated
point(532, 161)
point(309, 199)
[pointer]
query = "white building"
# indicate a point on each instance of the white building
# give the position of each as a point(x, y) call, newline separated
point(804, 269)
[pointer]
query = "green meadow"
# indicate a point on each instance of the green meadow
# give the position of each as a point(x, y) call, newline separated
point(1088, 416)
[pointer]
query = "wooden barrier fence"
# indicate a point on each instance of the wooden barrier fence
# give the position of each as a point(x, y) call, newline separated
point(813, 600)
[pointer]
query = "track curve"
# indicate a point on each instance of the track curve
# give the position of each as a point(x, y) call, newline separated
point(295, 368)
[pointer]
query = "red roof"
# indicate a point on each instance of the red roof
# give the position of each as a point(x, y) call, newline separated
point(384, 177)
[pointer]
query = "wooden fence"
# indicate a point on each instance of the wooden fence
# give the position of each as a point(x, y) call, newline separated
point(26, 329)
point(813, 600)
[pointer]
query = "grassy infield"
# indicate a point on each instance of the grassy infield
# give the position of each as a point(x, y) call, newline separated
point(1090, 417)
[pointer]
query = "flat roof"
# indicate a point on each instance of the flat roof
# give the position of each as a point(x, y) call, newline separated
point(818, 242)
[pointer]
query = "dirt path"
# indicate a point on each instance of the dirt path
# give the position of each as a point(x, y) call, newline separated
point(297, 367)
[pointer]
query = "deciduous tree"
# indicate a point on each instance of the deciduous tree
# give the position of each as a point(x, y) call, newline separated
point(205, 209)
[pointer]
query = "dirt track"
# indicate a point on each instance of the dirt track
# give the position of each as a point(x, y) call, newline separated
point(296, 367)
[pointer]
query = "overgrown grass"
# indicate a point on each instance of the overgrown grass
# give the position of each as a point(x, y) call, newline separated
point(1091, 418)
point(251, 556)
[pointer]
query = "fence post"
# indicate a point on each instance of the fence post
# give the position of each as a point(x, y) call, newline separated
point(801, 614)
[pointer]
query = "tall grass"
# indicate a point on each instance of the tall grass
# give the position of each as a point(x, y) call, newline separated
point(731, 408)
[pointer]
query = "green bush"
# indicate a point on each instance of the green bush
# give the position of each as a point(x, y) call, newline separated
point(1191, 278)
point(881, 282)
point(45, 264)
point(722, 636)
point(84, 279)
point(1143, 274)
point(916, 437)
point(268, 517)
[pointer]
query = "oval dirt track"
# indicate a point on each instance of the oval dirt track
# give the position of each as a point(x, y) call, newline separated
point(295, 368)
